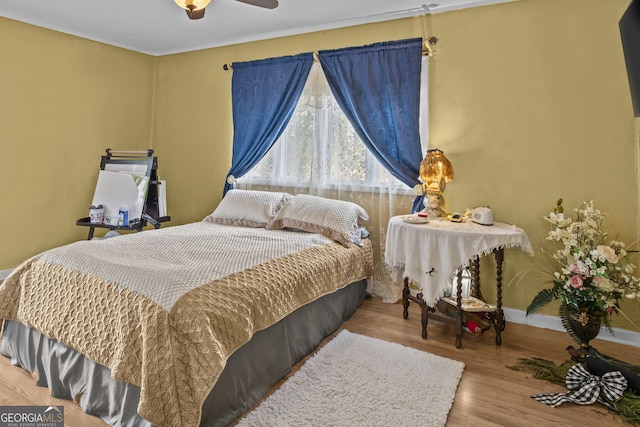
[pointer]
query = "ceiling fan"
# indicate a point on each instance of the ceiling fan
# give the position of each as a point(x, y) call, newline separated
point(195, 8)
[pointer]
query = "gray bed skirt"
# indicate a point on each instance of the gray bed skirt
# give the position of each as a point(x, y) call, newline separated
point(250, 372)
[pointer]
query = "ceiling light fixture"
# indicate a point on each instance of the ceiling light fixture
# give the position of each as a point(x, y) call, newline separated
point(194, 8)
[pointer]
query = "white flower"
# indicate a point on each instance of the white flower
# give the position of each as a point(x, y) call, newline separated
point(554, 218)
point(594, 271)
point(606, 253)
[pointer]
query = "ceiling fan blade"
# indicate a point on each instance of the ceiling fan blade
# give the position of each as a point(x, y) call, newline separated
point(267, 4)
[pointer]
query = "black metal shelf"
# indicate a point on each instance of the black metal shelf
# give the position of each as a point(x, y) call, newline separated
point(150, 212)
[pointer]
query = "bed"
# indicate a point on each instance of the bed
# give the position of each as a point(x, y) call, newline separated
point(188, 325)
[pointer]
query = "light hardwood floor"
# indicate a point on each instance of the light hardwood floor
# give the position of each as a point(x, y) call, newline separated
point(489, 393)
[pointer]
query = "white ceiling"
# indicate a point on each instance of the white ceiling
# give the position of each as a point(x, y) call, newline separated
point(160, 27)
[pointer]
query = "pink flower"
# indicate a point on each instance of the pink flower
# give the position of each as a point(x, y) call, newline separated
point(574, 268)
point(609, 309)
point(576, 281)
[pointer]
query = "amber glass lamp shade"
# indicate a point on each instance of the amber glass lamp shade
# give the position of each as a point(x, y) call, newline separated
point(435, 171)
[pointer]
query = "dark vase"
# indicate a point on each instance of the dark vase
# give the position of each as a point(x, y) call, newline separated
point(583, 326)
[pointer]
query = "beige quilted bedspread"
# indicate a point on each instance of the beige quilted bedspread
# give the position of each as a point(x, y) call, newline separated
point(174, 355)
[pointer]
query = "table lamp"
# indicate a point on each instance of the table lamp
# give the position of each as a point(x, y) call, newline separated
point(435, 172)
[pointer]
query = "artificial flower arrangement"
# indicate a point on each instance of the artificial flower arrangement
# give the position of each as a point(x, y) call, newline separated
point(593, 274)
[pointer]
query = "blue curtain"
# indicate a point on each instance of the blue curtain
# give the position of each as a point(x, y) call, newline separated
point(264, 95)
point(378, 88)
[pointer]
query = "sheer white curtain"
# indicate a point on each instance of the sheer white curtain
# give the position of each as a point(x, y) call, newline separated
point(319, 153)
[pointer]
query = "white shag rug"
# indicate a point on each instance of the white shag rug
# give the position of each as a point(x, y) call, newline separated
point(355, 380)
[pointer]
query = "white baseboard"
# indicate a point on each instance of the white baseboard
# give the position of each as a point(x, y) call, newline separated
point(621, 336)
point(5, 273)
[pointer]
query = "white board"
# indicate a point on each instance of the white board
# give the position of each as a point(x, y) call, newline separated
point(115, 189)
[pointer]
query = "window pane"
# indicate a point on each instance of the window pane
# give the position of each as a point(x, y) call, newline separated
point(348, 154)
point(296, 145)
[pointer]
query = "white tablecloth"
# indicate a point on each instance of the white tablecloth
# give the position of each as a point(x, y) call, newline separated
point(429, 254)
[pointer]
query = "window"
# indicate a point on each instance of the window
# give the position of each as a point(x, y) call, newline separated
point(319, 153)
point(320, 148)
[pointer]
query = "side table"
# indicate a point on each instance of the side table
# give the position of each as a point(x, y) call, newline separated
point(430, 254)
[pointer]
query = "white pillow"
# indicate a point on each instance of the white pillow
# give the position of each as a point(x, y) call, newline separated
point(248, 208)
point(335, 219)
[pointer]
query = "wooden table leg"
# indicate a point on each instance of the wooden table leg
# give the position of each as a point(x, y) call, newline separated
point(459, 310)
point(474, 269)
point(424, 319)
point(405, 298)
point(499, 254)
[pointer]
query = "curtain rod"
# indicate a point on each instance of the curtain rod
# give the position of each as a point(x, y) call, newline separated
point(426, 51)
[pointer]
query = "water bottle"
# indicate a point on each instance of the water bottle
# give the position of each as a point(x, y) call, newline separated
point(123, 216)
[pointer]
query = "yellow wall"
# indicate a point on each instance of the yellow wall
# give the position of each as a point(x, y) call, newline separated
point(63, 101)
point(529, 100)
